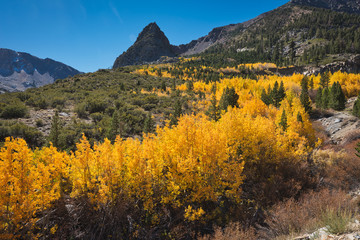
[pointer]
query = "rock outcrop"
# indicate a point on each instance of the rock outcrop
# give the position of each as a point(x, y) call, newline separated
point(150, 46)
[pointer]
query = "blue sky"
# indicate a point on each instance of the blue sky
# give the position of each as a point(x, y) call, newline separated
point(90, 34)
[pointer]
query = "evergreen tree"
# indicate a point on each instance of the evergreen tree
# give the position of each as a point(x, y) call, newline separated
point(148, 124)
point(356, 108)
point(265, 97)
point(311, 83)
point(275, 95)
point(318, 99)
point(214, 111)
point(337, 97)
point(115, 127)
point(283, 121)
point(55, 130)
point(228, 98)
point(177, 113)
point(304, 96)
point(325, 98)
point(292, 52)
point(281, 92)
point(324, 80)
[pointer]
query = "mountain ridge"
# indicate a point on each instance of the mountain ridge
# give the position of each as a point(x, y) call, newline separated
point(20, 70)
point(229, 35)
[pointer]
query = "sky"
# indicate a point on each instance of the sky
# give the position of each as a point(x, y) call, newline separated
point(89, 34)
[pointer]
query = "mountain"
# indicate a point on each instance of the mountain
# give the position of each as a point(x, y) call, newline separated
point(299, 32)
point(19, 71)
point(150, 45)
point(350, 6)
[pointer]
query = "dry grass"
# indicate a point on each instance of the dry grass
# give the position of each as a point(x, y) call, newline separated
point(231, 232)
point(307, 214)
point(338, 168)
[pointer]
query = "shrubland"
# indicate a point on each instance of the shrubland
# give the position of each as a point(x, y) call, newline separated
point(174, 151)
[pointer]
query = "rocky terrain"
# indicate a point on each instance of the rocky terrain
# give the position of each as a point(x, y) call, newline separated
point(341, 127)
point(351, 6)
point(19, 71)
point(150, 45)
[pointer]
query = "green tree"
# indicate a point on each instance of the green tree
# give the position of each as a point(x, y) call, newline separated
point(318, 99)
point(265, 97)
point(325, 79)
point(304, 96)
point(177, 112)
point(275, 95)
point(337, 97)
point(214, 111)
point(283, 121)
point(148, 124)
point(356, 108)
point(228, 98)
point(325, 98)
point(55, 130)
point(115, 127)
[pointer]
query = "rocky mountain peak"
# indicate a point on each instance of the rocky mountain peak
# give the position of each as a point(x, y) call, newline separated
point(150, 46)
point(350, 6)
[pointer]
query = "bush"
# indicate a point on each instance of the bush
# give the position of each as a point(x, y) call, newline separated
point(231, 232)
point(96, 105)
point(14, 110)
point(32, 136)
point(40, 103)
point(58, 102)
point(39, 123)
point(81, 111)
point(312, 211)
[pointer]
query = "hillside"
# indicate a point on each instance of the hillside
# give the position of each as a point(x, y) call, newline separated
point(19, 71)
point(286, 36)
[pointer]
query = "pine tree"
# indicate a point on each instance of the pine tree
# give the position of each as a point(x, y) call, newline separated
point(356, 108)
point(275, 95)
point(228, 98)
point(214, 111)
point(115, 127)
point(281, 92)
point(304, 96)
point(283, 121)
point(337, 97)
point(325, 98)
point(318, 99)
point(265, 97)
point(311, 83)
point(292, 52)
point(177, 113)
point(55, 130)
point(325, 79)
point(148, 124)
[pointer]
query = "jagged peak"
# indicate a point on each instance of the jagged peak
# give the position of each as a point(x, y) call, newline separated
point(152, 29)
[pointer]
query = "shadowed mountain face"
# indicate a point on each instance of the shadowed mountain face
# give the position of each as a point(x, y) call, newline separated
point(350, 6)
point(19, 71)
point(150, 45)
